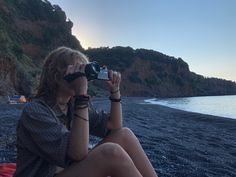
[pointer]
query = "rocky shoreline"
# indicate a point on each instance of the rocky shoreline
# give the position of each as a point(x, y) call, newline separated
point(178, 143)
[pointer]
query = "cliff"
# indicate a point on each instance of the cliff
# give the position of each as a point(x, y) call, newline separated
point(29, 29)
point(151, 73)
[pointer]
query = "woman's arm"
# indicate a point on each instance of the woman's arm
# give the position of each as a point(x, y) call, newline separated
point(79, 135)
point(115, 121)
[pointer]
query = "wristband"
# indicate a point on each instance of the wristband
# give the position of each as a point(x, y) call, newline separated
point(82, 97)
point(81, 101)
point(81, 106)
point(114, 99)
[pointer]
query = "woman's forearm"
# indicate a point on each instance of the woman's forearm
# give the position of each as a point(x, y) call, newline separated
point(115, 121)
point(79, 139)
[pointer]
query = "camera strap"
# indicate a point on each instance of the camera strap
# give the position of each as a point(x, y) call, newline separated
point(73, 76)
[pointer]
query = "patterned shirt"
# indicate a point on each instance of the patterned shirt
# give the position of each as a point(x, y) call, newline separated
point(43, 138)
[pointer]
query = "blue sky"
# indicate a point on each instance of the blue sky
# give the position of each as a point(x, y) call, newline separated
point(201, 32)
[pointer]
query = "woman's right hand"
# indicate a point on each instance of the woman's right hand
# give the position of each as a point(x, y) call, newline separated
point(79, 85)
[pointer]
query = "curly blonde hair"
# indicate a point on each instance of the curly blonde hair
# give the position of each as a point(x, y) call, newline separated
point(54, 68)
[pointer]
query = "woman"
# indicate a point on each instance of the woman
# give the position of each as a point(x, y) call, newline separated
point(54, 128)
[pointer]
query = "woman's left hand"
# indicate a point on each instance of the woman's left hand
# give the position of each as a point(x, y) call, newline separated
point(80, 84)
point(114, 82)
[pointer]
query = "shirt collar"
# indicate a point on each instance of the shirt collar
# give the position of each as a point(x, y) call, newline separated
point(57, 110)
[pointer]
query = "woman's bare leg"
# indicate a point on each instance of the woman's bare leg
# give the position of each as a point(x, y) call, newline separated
point(108, 159)
point(126, 139)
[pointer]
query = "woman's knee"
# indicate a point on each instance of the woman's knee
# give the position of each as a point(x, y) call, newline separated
point(127, 135)
point(112, 151)
point(115, 157)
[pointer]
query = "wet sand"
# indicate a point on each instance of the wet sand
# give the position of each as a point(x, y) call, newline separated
point(178, 143)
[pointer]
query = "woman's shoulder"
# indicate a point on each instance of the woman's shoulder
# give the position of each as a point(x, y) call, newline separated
point(36, 105)
point(37, 111)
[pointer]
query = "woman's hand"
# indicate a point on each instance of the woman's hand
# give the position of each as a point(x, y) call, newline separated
point(115, 79)
point(79, 85)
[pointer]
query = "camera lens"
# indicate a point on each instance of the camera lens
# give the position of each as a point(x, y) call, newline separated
point(91, 70)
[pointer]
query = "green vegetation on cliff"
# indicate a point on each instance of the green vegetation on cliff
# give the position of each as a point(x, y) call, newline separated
point(29, 30)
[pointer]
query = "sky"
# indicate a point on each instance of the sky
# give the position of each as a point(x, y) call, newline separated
point(201, 32)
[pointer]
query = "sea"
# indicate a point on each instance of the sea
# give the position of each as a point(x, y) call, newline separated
point(224, 106)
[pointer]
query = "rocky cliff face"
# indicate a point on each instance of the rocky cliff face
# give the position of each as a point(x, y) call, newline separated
point(29, 30)
point(7, 76)
point(151, 73)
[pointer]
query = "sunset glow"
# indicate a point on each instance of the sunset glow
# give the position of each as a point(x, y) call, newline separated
point(202, 33)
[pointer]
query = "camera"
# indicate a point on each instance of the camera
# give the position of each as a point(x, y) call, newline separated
point(92, 71)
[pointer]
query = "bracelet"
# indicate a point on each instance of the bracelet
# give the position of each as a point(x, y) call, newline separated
point(81, 101)
point(76, 115)
point(81, 106)
point(82, 97)
point(113, 92)
point(114, 99)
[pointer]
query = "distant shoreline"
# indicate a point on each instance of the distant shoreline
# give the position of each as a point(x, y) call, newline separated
point(190, 112)
point(222, 106)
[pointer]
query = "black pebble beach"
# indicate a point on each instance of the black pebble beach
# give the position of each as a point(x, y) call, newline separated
point(178, 143)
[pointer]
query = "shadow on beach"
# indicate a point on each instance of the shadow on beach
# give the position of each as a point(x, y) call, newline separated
point(179, 143)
